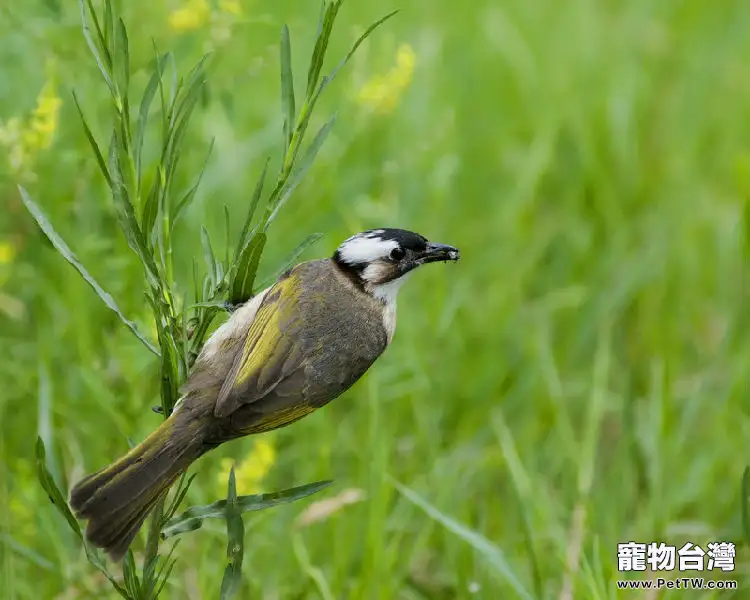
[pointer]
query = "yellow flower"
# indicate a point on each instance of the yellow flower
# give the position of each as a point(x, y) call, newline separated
point(382, 92)
point(7, 252)
point(24, 139)
point(44, 119)
point(193, 15)
point(251, 471)
point(233, 7)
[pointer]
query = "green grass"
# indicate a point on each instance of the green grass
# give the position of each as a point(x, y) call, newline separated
point(579, 379)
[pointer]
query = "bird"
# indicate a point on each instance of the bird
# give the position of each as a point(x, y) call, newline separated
point(287, 351)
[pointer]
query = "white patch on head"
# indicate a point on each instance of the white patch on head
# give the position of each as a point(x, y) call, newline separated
point(375, 272)
point(365, 248)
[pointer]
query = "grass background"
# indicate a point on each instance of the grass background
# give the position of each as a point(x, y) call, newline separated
point(579, 379)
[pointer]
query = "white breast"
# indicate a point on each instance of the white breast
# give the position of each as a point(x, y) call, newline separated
point(234, 327)
point(389, 320)
point(386, 293)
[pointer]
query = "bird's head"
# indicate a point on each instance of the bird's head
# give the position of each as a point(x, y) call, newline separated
point(382, 258)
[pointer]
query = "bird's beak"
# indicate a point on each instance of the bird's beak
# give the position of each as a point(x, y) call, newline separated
point(436, 252)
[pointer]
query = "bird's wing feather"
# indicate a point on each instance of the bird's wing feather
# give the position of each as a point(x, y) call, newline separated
point(269, 354)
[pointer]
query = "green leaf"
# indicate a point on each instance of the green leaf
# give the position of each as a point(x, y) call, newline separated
point(291, 260)
point(745, 503)
point(305, 163)
point(232, 579)
point(100, 38)
point(193, 517)
point(313, 97)
point(180, 111)
point(143, 111)
point(189, 195)
point(92, 142)
point(68, 255)
point(209, 304)
point(182, 490)
point(175, 118)
point(109, 26)
point(188, 89)
point(96, 560)
point(150, 210)
point(227, 235)
point(254, 201)
point(287, 87)
point(104, 70)
point(165, 104)
point(179, 126)
point(171, 362)
point(214, 268)
point(246, 269)
point(368, 32)
point(167, 566)
point(148, 578)
point(321, 45)
point(126, 215)
point(130, 575)
point(56, 497)
point(49, 485)
point(481, 544)
point(122, 65)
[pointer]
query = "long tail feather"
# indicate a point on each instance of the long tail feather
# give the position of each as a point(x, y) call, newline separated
point(117, 499)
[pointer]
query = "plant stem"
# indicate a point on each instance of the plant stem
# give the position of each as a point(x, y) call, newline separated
point(154, 532)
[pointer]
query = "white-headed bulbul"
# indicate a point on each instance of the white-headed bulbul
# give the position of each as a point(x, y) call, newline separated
point(289, 350)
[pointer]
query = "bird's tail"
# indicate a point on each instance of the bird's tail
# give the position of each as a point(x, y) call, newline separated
point(117, 499)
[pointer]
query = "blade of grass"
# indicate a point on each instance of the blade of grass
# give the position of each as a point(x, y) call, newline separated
point(130, 575)
point(95, 559)
point(745, 504)
point(305, 163)
point(49, 485)
point(227, 235)
point(489, 551)
point(587, 466)
point(182, 490)
point(257, 192)
point(321, 45)
point(167, 566)
point(189, 195)
point(68, 255)
point(232, 579)
point(247, 267)
point(122, 63)
point(143, 112)
point(126, 215)
point(104, 70)
point(108, 40)
point(33, 557)
point(291, 259)
point(287, 86)
point(92, 142)
point(314, 96)
point(214, 269)
point(367, 33)
point(313, 572)
point(523, 493)
point(193, 517)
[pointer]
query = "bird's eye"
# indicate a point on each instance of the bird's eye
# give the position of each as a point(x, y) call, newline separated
point(397, 254)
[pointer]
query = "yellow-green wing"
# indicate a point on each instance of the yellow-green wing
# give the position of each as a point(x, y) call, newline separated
point(269, 354)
